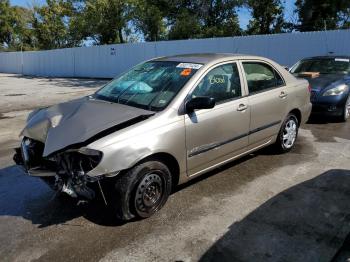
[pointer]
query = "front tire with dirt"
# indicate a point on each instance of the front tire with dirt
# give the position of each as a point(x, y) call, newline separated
point(142, 190)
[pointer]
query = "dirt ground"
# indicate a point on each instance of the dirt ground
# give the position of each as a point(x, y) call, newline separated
point(264, 207)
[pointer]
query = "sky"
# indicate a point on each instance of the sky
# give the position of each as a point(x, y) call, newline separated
point(243, 13)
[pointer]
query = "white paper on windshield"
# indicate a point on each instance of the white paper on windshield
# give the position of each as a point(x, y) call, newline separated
point(342, 60)
point(189, 65)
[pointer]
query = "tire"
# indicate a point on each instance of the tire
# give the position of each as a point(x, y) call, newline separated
point(142, 190)
point(346, 111)
point(286, 138)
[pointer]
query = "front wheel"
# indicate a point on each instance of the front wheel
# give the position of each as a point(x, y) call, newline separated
point(346, 111)
point(143, 190)
point(288, 134)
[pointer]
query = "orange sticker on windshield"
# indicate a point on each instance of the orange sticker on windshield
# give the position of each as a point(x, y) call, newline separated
point(186, 72)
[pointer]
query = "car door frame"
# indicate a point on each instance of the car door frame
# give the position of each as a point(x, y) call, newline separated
point(243, 96)
point(283, 95)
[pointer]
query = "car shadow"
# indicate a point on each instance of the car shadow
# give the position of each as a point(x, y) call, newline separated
point(320, 119)
point(30, 198)
point(307, 222)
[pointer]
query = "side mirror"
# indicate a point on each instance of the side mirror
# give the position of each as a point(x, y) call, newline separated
point(200, 102)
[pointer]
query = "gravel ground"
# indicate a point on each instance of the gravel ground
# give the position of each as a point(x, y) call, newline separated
point(264, 207)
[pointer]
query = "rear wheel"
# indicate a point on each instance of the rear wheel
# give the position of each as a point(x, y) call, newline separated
point(288, 134)
point(143, 190)
point(346, 111)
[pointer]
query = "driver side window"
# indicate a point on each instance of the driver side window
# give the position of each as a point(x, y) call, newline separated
point(221, 83)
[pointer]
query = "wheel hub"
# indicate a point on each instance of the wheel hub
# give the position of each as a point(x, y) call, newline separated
point(149, 192)
point(347, 109)
point(289, 133)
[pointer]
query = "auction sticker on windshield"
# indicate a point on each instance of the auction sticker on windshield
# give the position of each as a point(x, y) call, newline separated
point(189, 65)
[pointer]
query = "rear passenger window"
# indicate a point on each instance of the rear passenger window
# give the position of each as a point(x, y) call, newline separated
point(222, 83)
point(261, 77)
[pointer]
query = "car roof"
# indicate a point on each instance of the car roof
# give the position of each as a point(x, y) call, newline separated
point(327, 57)
point(203, 58)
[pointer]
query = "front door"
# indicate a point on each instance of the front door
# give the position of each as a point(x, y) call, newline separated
point(214, 135)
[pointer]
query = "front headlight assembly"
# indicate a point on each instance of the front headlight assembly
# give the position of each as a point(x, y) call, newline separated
point(339, 90)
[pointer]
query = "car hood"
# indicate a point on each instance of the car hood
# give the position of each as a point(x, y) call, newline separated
point(78, 121)
point(323, 81)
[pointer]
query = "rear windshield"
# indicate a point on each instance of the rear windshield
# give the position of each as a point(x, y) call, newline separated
point(323, 66)
point(151, 85)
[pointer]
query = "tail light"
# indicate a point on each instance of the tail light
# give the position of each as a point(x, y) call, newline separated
point(309, 87)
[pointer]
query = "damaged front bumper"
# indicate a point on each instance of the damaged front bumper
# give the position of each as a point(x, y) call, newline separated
point(65, 171)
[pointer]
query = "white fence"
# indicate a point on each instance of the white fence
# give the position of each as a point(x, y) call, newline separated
point(110, 60)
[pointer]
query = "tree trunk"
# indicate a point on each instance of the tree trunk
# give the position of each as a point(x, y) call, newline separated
point(121, 39)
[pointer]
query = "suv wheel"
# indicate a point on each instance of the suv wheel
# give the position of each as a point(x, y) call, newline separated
point(288, 134)
point(143, 190)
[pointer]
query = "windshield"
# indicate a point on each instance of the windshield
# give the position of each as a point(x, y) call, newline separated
point(323, 66)
point(151, 85)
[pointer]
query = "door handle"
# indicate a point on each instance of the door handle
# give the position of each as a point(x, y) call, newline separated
point(283, 94)
point(242, 107)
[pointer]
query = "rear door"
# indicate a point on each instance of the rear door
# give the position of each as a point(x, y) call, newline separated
point(214, 135)
point(267, 99)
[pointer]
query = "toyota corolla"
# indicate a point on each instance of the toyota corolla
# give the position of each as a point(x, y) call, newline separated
point(161, 124)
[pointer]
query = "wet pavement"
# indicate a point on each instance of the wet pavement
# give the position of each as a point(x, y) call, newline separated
point(264, 207)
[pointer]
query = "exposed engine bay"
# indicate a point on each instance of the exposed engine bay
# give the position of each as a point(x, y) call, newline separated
point(64, 172)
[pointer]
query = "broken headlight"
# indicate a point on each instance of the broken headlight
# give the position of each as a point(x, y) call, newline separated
point(79, 161)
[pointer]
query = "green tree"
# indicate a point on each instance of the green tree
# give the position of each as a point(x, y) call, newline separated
point(344, 17)
point(51, 24)
point(6, 22)
point(103, 21)
point(267, 17)
point(149, 18)
point(23, 37)
point(15, 31)
point(185, 26)
point(203, 18)
point(184, 19)
point(219, 18)
point(322, 14)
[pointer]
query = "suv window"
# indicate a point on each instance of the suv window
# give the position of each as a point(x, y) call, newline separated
point(222, 83)
point(261, 77)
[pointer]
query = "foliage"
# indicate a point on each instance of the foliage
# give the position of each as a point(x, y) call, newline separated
point(220, 18)
point(267, 17)
point(186, 25)
point(51, 24)
point(15, 27)
point(149, 18)
point(322, 14)
point(103, 21)
point(69, 23)
point(6, 22)
point(203, 18)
